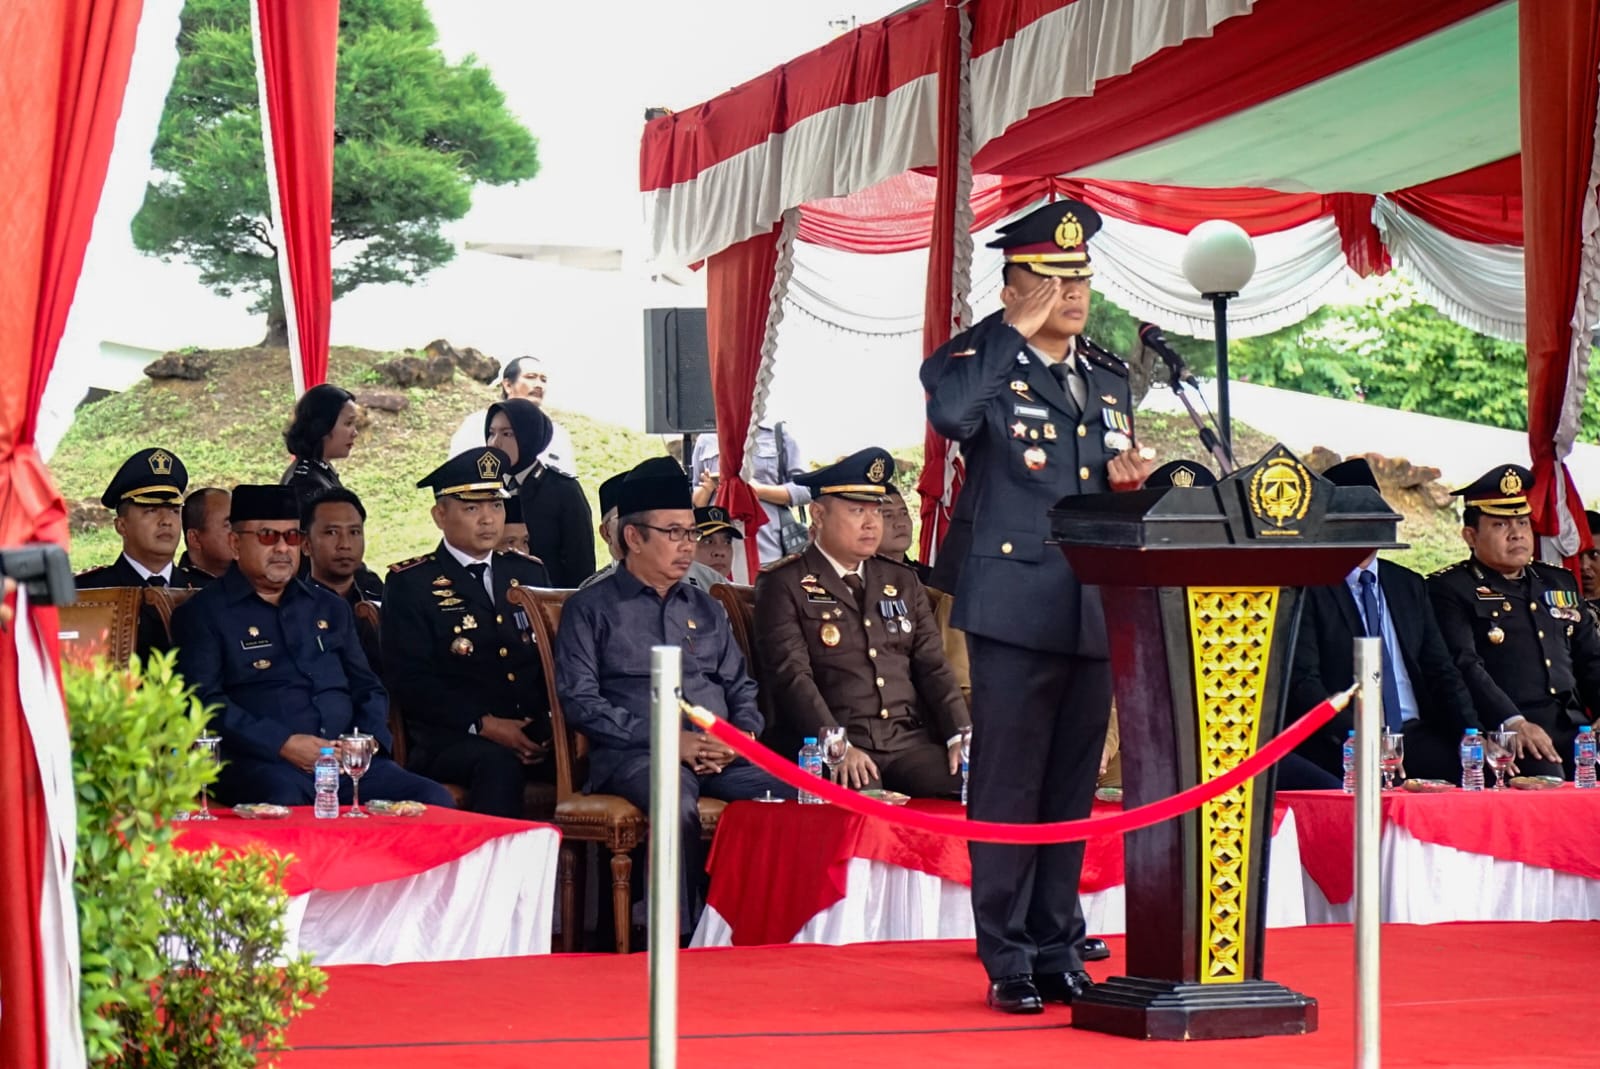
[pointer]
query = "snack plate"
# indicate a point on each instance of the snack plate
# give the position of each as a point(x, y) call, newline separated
point(1535, 783)
point(1109, 794)
point(1428, 786)
point(892, 797)
point(385, 808)
point(261, 811)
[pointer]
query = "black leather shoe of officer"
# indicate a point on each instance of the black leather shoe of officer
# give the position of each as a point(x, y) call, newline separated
point(1061, 986)
point(1015, 994)
point(1094, 950)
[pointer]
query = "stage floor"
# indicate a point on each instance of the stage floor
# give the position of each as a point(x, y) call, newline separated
point(1483, 995)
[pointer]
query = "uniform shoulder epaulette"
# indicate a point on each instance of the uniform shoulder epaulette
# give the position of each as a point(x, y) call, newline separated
point(781, 562)
point(1553, 571)
point(1101, 357)
point(1447, 569)
point(402, 565)
point(901, 563)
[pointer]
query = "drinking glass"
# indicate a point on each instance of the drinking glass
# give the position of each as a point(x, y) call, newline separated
point(206, 744)
point(1392, 758)
point(966, 759)
point(835, 745)
point(355, 754)
point(1500, 753)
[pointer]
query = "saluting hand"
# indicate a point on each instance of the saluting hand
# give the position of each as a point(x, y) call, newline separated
point(1128, 470)
point(1029, 312)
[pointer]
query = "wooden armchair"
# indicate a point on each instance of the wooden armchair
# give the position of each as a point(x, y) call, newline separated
point(740, 604)
point(164, 600)
point(103, 622)
point(607, 819)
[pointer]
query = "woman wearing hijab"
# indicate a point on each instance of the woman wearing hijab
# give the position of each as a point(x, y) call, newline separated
point(324, 430)
point(560, 527)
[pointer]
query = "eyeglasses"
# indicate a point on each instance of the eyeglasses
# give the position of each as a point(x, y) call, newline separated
point(677, 534)
point(268, 536)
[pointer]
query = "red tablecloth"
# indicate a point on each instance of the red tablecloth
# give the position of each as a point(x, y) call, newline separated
point(334, 855)
point(1553, 829)
point(774, 867)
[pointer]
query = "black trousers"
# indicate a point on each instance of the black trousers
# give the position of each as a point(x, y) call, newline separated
point(1038, 725)
point(922, 771)
point(491, 773)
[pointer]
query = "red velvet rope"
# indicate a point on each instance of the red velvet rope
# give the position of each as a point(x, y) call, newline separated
point(1064, 831)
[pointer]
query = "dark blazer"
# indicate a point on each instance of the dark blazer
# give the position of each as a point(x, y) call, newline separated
point(560, 526)
point(152, 631)
point(1026, 446)
point(451, 655)
point(1330, 622)
point(308, 478)
point(824, 662)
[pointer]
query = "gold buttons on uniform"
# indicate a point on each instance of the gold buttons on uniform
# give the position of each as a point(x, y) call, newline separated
point(869, 623)
point(1083, 473)
point(1005, 547)
point(1082, 430)
point(499, 619)
point(1547, 662)
point(880, 681)
point(883, 713)
point(1541, 635)
point(511, 676)
point(872, 653)
point(504, 652)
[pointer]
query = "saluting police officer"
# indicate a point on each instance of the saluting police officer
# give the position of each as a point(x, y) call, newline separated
point(1516, 627)
point(459, 658)
point(280, 659)
point(1040, 412)
point(848, 638)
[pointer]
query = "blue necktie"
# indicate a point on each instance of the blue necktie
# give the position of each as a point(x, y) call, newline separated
point(1391, 685)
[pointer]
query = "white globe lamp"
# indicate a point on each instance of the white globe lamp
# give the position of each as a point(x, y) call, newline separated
point(1218, 260)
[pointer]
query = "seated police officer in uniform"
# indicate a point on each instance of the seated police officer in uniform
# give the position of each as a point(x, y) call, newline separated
point(700, 575)
point(147, 496)
point(1516, 627)
point(717, 535)
point(1424, 695)
point(280, 658)
point(460, 659)
point(335, 523)
point(603, 665)
point(205, 533)
point(896, 543)
point(848, 638)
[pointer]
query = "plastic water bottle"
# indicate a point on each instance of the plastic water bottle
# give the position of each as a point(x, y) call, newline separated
point(1584, 751)
point(326, 777)
point(1472, 761)
point(1350, 763)
point(811, 761)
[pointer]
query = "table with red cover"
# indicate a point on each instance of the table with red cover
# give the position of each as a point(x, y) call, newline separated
point(816, 873)
point(1457, 855)
point(445, 885)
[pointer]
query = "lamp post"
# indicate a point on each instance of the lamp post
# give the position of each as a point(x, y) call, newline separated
point(1218, 262)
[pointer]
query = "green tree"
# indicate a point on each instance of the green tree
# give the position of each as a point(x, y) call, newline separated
point(413, 134)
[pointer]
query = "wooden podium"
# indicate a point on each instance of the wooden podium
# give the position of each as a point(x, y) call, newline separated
point(1201, 592)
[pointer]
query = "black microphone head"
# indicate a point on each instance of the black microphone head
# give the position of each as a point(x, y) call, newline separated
point(1151, 332)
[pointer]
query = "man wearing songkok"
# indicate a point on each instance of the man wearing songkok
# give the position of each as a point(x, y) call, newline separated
point(147, 495)
point(700, 575)
point(280, 658)
point(1040, 412)
point(459, 657)
point(717, 534)
point(847, 638)
point(1424, 696)
point(1516, 627)
point(603, 665)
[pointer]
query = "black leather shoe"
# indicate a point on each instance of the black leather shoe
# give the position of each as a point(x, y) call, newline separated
point(1015, 994)
point(1094, 950)
point(1061, 986)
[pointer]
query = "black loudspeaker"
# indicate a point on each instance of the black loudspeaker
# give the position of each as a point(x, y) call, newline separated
point(677, 372)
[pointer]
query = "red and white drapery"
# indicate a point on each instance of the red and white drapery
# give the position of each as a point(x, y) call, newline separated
point(1101, 92)
point(61, 90)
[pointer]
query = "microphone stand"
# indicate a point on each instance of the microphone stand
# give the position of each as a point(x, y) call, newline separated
point(1208, 437)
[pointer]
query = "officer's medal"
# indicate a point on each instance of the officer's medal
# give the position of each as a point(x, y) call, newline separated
point(1119, 430)
point(830, 634)
point(1496, 636)
point(1033, 457)
point(461, 647)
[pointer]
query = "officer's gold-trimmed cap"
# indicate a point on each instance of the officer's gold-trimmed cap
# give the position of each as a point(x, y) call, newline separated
point(1500, 491)
point(475, 475)
point(1051, 240)
point(861, 476)
point(149, 477)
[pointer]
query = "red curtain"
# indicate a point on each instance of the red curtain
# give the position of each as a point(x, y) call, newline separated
point(61, 88)
point(299, 46)
point(1560, 51)
point(738, 298)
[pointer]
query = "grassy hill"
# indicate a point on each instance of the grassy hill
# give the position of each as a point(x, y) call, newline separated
point(228, 429)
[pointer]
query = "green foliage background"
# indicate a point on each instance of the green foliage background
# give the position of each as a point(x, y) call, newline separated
point(413, 134)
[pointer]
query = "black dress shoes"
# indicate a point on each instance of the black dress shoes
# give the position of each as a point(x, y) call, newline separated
point(1094, 950)
point(1015, 994)
point(1061, 986)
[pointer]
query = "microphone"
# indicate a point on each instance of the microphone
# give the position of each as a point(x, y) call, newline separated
point(1156, 342)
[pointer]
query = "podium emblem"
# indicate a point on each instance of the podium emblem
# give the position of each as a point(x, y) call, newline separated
point(1280, 493)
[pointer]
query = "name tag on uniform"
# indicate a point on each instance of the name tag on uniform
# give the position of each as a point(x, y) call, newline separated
point(1032, 411)
point(255, 643)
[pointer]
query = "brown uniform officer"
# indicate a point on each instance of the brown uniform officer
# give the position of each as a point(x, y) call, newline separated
point(848, 638)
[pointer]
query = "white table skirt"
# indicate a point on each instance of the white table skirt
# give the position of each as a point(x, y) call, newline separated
point(1425, 883)
point(496, 901)
point(886, 902)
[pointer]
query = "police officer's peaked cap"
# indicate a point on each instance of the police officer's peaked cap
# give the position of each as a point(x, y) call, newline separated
point(253, 501)
point(1051, 240)
point(1183, 474)
point(475, 475)
point(657, 483)
point(1353, 472)
point(714, 518)
point(862, 476)
point(149, 477)
point(1500, 491)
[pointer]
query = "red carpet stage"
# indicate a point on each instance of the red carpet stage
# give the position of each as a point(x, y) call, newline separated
point(1455, 994)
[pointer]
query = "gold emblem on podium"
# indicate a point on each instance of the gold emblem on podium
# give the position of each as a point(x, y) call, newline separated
point(1280, 494)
